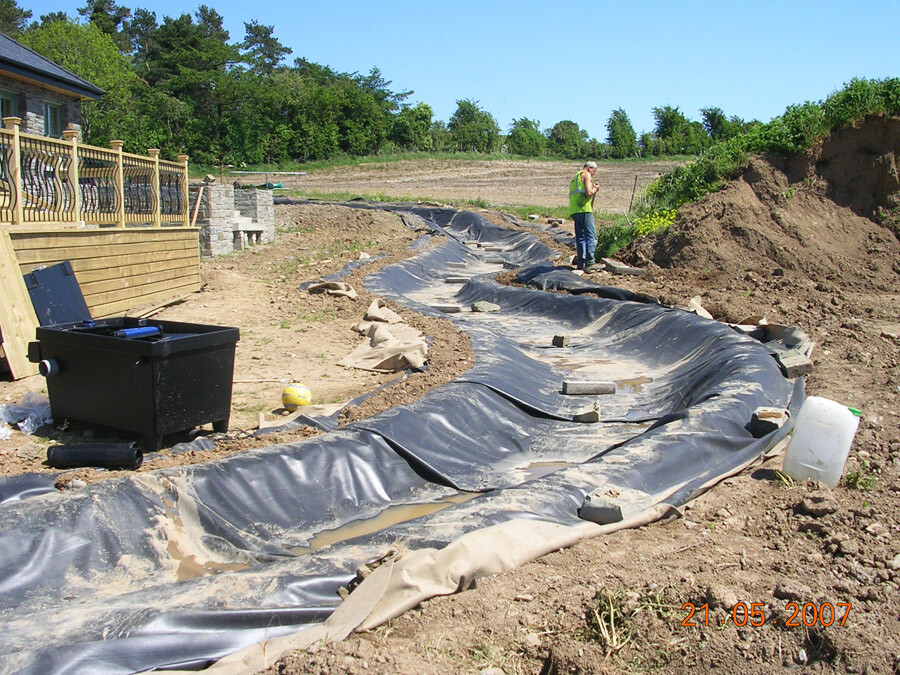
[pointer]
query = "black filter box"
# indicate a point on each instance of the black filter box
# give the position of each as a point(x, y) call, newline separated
point(151, 378)
point(56, 295)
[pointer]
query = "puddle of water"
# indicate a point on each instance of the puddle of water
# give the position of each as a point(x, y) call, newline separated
point(189, 567)
point(390, 516)
point(635, 384)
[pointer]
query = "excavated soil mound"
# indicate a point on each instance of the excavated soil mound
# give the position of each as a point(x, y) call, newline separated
point(828, 215)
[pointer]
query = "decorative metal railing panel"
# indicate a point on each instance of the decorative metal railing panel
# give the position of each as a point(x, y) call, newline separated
point(171, 189)
point(48, 195)
point(7, 188)
point(137, 187)
point(97, 181)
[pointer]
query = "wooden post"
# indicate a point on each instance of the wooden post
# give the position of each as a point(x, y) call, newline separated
point(157, 218)
point(18, 321)
point(120, 182)
point(185, 214)
point(71, 135)
point(15, 169)
point(631, 203)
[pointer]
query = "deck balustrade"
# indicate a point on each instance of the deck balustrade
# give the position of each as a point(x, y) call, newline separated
point(45, 180)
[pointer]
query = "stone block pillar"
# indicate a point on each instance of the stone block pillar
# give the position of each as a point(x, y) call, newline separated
point(214, 218)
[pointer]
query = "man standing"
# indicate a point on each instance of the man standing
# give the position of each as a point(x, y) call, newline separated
point(581, 209)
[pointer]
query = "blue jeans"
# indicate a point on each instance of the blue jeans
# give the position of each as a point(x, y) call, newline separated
point(585, 239)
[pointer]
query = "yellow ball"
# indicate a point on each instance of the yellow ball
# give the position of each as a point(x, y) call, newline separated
point(295, 395)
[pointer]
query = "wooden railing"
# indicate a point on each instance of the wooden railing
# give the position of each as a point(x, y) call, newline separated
point(45, 180)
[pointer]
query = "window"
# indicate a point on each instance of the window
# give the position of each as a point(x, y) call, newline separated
point(10, 104)
point(53, 120)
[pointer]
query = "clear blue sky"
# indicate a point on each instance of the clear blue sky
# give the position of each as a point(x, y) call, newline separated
point(552, 61)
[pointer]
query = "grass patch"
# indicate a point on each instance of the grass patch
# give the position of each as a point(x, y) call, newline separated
point(861, 479)
point(607, 623)
point(611, 238)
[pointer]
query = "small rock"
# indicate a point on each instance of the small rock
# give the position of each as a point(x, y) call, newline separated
point(483, 306)
point(802, 657)
point(524, 597)
point(818, 504)
point(792, 590)
point(765, 420)
point(533, 216)
point(492, 671)
point(31, 451)
point(75, 484)
point(533, 640)
point(848, 547)
point(721, 597)
point(876, 529)
point(891, 332)
point(894, 563)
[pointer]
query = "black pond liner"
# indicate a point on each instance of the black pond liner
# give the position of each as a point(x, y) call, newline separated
point(122, 576)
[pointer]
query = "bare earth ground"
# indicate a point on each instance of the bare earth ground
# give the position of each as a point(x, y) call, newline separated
point(785, 242)
point(496, 182)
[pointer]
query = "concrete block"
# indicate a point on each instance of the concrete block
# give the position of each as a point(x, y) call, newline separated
point(793, 364)
point(617, 267)
point(588, 388)
point(560, 340)
point(612, 505)
point(455, 279)
point(456, 265)
point(447, 309)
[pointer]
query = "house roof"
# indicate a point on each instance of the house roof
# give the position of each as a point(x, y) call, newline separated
point(19, 60)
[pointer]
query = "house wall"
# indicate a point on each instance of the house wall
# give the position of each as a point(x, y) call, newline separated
point(33, 115)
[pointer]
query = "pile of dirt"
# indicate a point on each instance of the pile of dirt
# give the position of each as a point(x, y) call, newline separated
point(811, 217)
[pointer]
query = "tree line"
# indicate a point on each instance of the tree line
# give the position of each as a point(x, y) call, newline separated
point(184, 86)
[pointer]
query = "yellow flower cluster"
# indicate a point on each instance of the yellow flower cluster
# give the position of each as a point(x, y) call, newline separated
point(654, 222)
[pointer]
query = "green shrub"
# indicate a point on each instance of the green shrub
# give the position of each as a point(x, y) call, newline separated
point(656, 221)
point(799, 128)
point(611, 238)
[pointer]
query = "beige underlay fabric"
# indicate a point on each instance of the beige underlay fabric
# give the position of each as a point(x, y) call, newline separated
point(411, 577)
point(334, 288)
point(392, 345)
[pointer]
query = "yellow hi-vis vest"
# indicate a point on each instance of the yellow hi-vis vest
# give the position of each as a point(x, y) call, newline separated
point(579, 201)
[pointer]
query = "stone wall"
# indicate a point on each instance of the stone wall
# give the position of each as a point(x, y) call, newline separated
point(260, 207)
point(232, 220)
point(33, 114)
